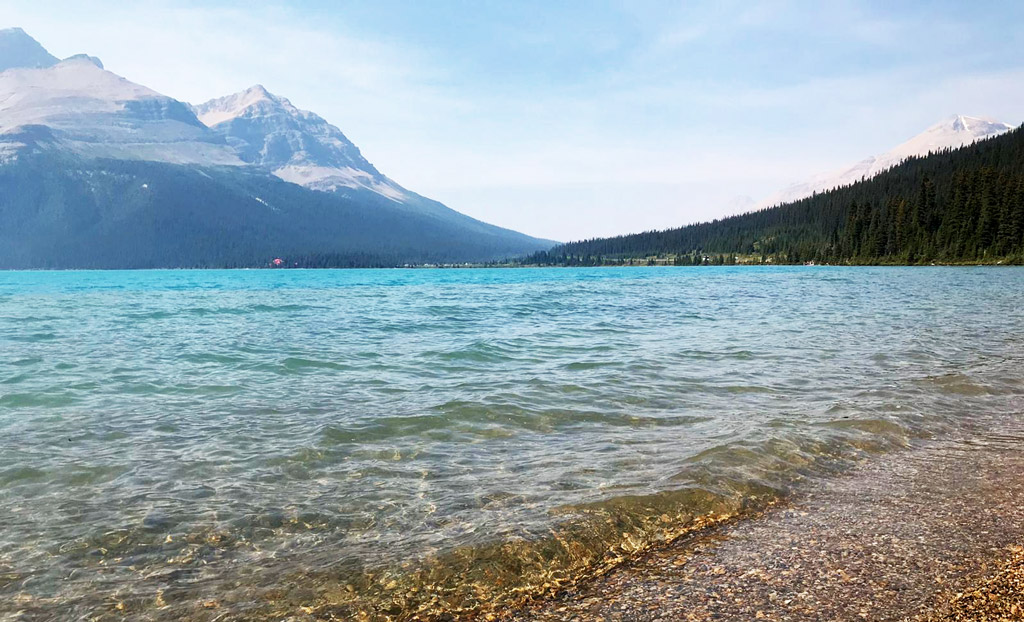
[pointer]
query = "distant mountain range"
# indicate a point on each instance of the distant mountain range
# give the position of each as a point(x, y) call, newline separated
point(97, 171)
point(950, 133)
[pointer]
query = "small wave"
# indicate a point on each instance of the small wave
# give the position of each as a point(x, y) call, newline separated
point(149, 315)
point(745, 388)
point(207, 389)
point(880, 427)
point(15, 475)
point(38, 400)
point(481, 352)
point(594, 538)
point(587, 365)
point(285, 308)
point(957, 384)
point(514, 417)
point(162, 314)
point(90, 475)
point(492, 421)
point(381, 429)
point(204, 311)
point(209, 357)
point(719, 484)
point(724, 355)
point(152, 388)
point(34, 337)
point(295, 364)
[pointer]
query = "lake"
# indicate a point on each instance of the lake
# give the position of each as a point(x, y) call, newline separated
point(265, 443)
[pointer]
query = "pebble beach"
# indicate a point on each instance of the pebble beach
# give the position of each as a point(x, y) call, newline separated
point(930, 534)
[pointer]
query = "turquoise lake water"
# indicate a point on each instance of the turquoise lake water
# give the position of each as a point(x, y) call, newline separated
point(206, 443)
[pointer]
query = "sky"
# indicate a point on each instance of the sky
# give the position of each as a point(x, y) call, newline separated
point(575, 119)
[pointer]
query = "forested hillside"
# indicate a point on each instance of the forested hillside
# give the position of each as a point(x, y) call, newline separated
point(956, 206)
point(57, 211)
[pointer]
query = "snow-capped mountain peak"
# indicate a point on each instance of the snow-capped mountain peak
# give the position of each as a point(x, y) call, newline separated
point(95, 113)
point(296, 145)
point(252, 101)
point(86, 57)
point(950, 133)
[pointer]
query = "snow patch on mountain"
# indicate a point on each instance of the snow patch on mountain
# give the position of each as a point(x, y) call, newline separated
point(295, 145)
point(9, 150)
point(330, 179)
point(248, 102)
point(96, 113)
point(739, 204)
point(75, 87)
point(91, 59)
point(950, 133)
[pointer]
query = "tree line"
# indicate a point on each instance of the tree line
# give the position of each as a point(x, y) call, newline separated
point(955, 206)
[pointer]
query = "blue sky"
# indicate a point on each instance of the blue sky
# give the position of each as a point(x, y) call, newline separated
point(575, 119)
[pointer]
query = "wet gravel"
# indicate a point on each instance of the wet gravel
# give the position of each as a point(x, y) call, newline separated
point(1000, 597)
point(918, 535)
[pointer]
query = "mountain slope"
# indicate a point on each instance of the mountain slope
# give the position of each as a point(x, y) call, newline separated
point(296, 145)
point(95, 113)
point(58, 210)
point(951, 133)
point(96, 171)
point(299, 146)
point(964, 205)
point(17, 49)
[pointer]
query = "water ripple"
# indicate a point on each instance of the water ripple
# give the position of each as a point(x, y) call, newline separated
point(362, 436)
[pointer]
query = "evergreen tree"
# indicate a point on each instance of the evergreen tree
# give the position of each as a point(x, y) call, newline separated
point(954, 206)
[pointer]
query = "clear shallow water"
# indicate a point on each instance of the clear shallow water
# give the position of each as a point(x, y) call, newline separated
point(202, 443)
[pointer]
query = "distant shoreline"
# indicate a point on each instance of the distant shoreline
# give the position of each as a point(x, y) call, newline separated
point(531, 266)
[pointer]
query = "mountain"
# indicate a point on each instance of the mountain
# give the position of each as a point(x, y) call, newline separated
point(958, 206)
point(295, 145)
point(97, 171)
point(298, 146)
point(94, 113)
point(61, 211)
point(17, 49)
point(950, 133)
